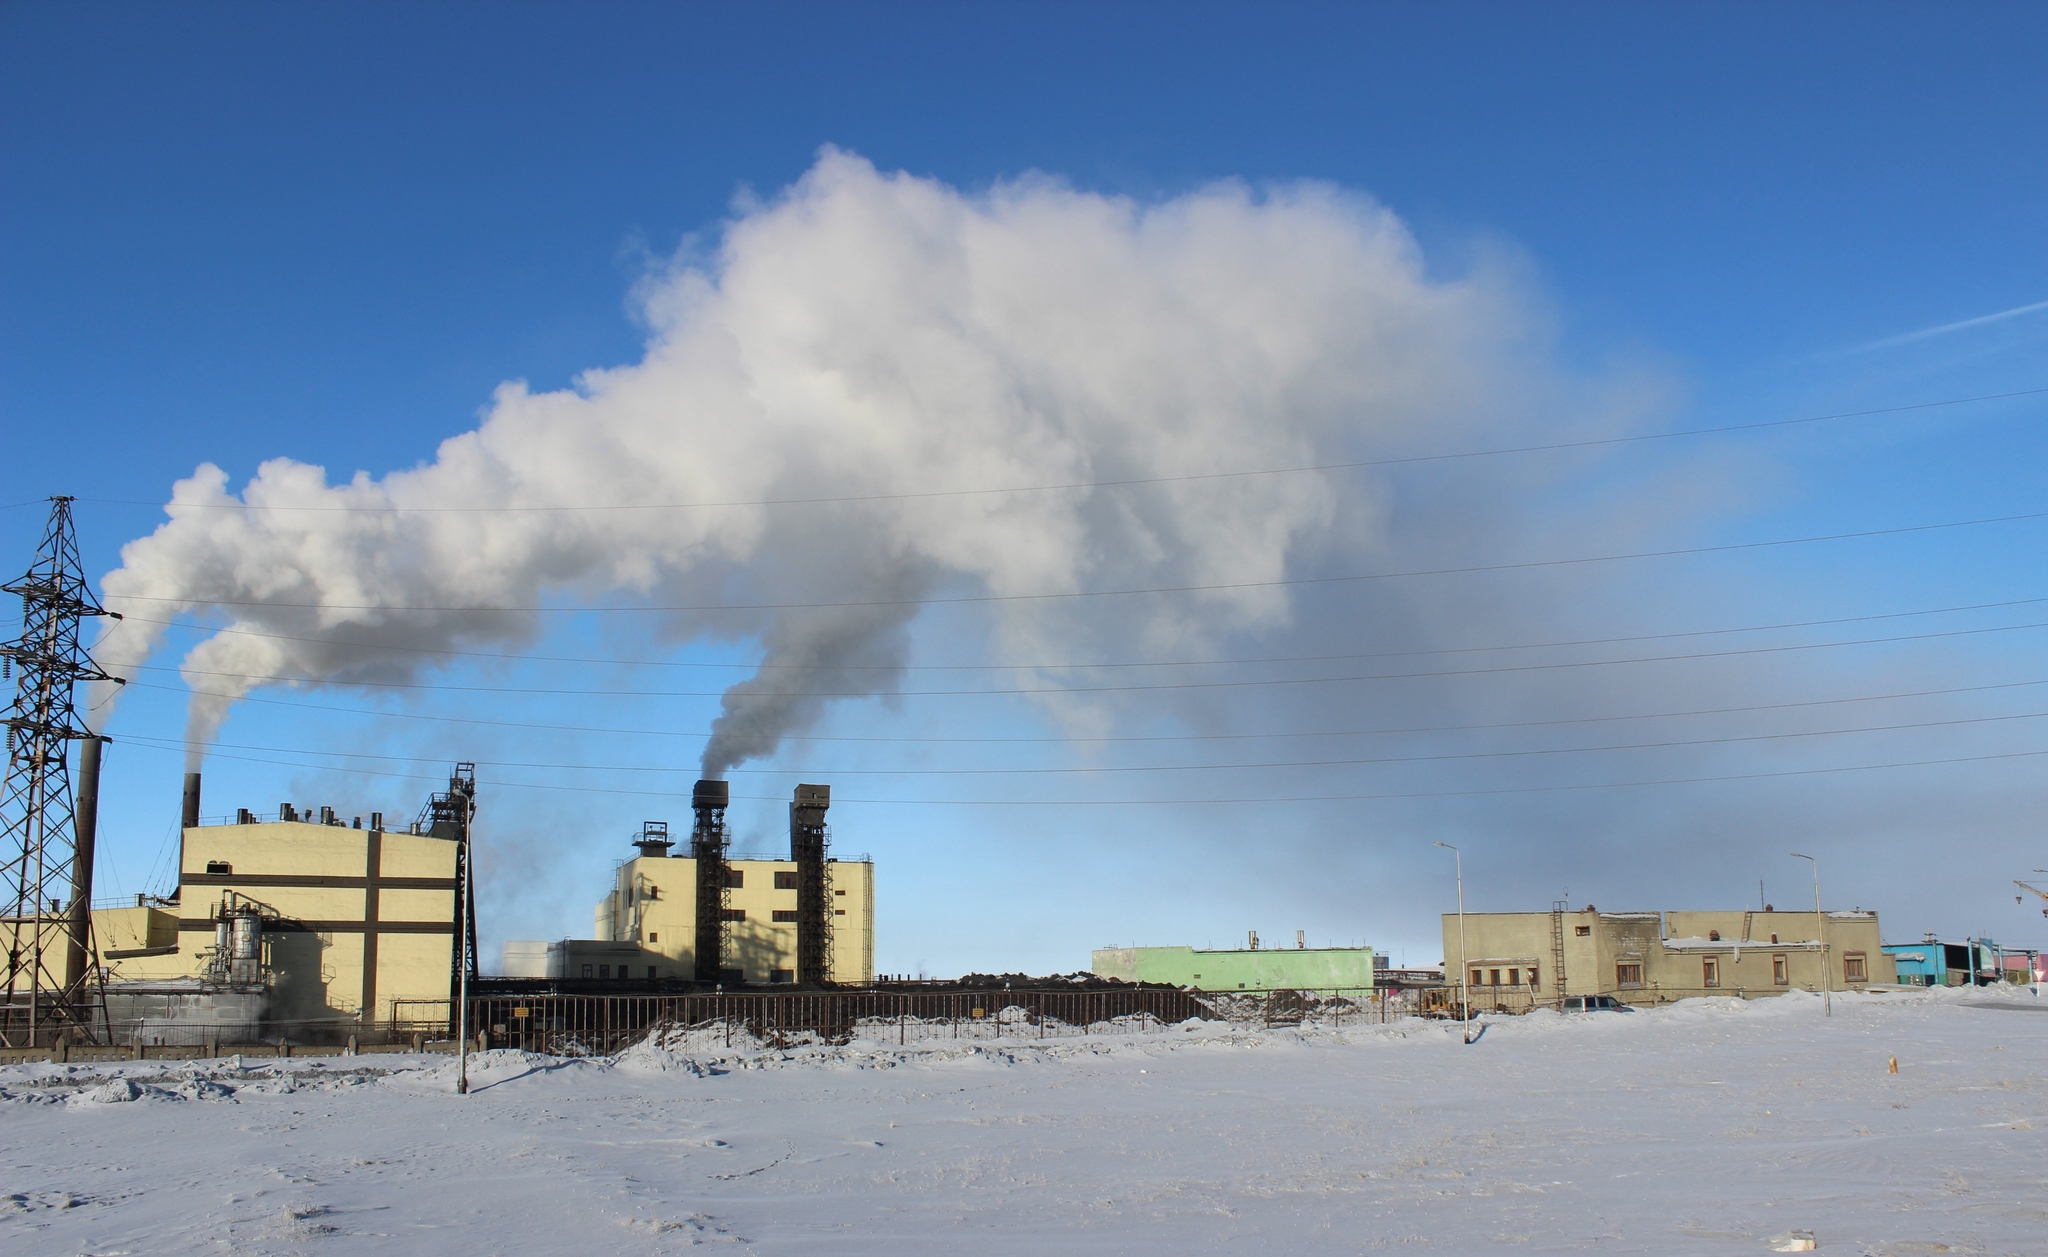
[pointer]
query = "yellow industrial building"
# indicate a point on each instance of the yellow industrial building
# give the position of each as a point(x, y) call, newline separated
point(1516, 961)
point(352, 923)
point(704, 917)
point(653, 904)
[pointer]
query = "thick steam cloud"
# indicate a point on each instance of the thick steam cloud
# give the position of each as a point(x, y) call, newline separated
point(866, 345)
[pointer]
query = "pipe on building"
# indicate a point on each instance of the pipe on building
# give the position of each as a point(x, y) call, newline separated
point(190, 816)
point(86, 827)
point(707, 847)
point(807, 843)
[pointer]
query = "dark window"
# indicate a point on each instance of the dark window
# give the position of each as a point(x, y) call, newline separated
point(735, 879)
point(650, 973)
point(838, 892)
point(732, 977)
point(219, 866)
point(586, 971)
point(1628, 973)
point(654, 938)
point(1779, 975)
point(785, 880)
point(782, 975)
point(1493, 977)
point(1478, 977)
point(1710, 971)
point(838, 912)
point(1582, 930)
point(604, 971)
point(785, 914)
point(1514, 977)
point(735, 914)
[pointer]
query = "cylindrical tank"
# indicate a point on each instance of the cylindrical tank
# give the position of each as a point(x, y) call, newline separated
point(248, 936)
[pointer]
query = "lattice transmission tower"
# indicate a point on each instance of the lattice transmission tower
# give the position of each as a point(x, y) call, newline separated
point(53, 970)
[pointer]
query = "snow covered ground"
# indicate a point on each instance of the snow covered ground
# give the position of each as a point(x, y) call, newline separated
point(1702, 1128)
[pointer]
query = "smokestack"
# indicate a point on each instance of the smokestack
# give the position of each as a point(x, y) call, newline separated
point(191, 814)
point(707, 847)
point(86, 822)
point(807, 842)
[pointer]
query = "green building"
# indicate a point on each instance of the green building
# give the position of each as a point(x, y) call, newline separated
point(1258, 969)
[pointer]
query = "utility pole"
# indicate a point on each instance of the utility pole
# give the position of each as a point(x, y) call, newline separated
point(45, 855)
point(1464, 998)
point(1820, 922)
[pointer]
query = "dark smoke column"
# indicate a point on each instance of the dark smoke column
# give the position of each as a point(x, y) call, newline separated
point(807, 843)
point(707, 847)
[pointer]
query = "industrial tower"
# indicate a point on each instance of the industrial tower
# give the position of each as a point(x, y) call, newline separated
point(46, 837)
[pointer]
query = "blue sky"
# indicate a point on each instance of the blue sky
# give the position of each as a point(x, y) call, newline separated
point(241, 232)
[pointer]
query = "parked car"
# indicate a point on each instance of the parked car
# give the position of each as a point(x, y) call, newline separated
point(1595, 1004)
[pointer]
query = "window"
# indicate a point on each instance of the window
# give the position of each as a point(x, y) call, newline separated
point(650, 973)
point(1534, 985)
point(735, 879)
point(1582, 930)
point(1628, 973)
point(1779, 975)
point(1478, 978)
point(734, 914)
point(1710, 971)
point(1853, 968)
point(604, 971)
point(838, 892)
point(782, 975)
point(1493, 977)
point(219, 867)
point(838, 912)
point(785, 914)
point(1514, 977)
point(654, 938)
point(586, 971)
point(1713, 936)
point(785, 880)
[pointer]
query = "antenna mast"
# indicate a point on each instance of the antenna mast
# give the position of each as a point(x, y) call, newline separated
point(46, 878)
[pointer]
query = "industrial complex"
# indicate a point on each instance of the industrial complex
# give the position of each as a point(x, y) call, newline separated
point(305, 925)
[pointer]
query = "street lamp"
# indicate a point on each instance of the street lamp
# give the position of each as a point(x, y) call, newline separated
point(1820, 921)
point(1464, 1001)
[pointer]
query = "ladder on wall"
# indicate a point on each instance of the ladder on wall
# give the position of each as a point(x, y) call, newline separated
point(1557, 910)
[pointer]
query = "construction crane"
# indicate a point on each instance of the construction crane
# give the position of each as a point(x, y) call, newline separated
point(2036, 889)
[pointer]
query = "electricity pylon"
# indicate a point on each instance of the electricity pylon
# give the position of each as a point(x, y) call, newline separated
point(53, 971)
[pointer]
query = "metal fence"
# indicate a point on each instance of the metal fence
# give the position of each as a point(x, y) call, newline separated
point(604, 1024)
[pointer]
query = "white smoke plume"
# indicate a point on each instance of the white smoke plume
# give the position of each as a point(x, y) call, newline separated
point(870, 337)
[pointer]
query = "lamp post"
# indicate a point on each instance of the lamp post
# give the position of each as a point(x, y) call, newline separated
point(1820, 921)
point(1464, 1000)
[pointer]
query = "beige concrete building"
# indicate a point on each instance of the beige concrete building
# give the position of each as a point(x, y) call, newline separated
point(653, 904)
point(357, 924)
point(1515, 961)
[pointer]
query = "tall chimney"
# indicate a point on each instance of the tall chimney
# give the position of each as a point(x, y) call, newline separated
point(86, 823)
point(191, 814)
point(707, 847)
point(807, 842)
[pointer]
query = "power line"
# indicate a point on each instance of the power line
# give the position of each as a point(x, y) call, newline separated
point(1063, 667)
point(698, 735)
point(1092, 770)
point(1105, 689)
point(1678, 552)
point(1557, 446)
point(1265, 800)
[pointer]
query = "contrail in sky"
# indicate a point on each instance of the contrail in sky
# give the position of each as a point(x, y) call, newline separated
point(1946, 328)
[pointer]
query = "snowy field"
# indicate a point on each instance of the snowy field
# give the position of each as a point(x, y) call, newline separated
point(1707, 1127)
